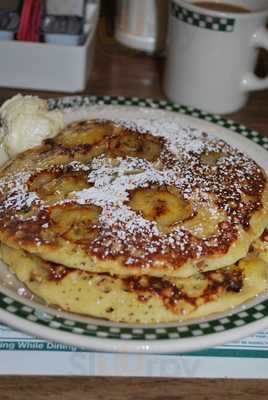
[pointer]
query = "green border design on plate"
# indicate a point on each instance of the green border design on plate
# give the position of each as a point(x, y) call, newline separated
point(202, 20)
point(217, 325)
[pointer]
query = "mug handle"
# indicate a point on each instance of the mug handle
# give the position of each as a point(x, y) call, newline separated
point(251, 81)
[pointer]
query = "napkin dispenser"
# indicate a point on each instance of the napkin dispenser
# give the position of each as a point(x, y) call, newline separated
point(50, 66)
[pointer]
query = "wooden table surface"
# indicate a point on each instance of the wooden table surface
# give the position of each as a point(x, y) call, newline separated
point(118, 71)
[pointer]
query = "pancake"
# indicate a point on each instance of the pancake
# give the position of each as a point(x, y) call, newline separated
point(261, 246)
point(149, 197)
point(138, 299)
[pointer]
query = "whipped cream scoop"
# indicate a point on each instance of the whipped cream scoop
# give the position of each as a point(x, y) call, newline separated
point(26, 122)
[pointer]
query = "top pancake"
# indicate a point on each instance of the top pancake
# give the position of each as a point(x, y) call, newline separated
point(133, 198)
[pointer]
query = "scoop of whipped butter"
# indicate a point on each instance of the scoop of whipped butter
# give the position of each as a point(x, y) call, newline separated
point(26, 122)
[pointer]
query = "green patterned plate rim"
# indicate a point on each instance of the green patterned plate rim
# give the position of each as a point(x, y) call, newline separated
point(193, 330)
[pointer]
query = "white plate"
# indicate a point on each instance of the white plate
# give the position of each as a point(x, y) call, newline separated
point(24, 312)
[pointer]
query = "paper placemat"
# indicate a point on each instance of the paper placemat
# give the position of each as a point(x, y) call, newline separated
point(21, 354)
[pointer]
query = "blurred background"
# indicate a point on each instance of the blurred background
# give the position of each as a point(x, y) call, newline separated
point(108, 47)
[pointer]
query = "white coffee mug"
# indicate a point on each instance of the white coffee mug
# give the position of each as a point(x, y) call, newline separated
point(211, 55)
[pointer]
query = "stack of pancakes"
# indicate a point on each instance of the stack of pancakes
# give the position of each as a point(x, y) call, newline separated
point(138, 222)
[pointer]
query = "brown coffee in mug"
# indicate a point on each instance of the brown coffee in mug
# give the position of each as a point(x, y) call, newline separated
point(222, 7)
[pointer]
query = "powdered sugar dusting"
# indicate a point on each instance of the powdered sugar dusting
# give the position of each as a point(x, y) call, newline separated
point(178, 138)
point(19, 197)
point(112, 183)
